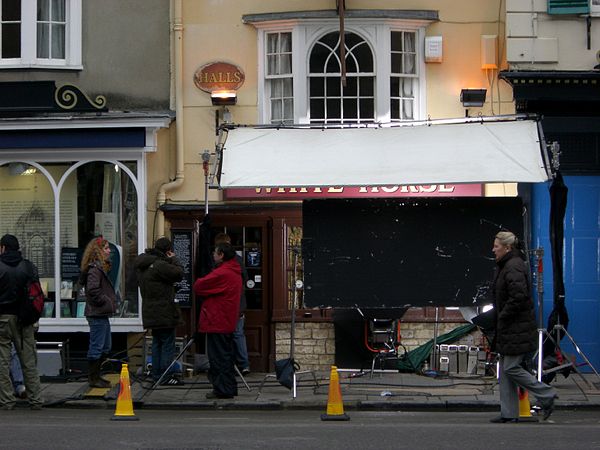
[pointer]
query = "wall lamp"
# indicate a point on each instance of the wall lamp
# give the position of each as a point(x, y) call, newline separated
point(472, 97)
point(223, 98)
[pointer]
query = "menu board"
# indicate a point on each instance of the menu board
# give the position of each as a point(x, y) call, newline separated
point(182, 246)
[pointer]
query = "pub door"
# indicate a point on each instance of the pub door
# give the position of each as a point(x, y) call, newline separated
point(250, 239)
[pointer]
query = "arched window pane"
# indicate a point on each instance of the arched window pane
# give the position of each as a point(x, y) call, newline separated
point(27, 211)
point(106, 204)
point(343, 103)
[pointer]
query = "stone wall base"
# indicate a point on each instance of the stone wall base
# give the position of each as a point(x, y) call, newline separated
point(315, 341)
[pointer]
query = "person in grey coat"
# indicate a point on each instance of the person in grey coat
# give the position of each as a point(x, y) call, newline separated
point(516, 330)
point(157, 272)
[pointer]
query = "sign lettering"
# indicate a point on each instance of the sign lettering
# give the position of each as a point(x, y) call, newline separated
point(299, 193)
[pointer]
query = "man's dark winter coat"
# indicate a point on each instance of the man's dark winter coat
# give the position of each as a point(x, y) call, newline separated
point(12, 280)
point(516, 329)
point(156, 275)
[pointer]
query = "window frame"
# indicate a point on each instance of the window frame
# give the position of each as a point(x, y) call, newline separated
point(73, 39)
point(376, 32)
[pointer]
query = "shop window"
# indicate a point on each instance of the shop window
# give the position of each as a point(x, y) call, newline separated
point(27, 205)
point(94, 198)
point(99, 198)
point(40, 33)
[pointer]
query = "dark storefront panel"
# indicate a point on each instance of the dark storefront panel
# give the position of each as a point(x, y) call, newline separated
point(391, 253)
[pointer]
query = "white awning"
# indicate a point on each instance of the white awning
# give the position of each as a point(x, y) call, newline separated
point(449, 153)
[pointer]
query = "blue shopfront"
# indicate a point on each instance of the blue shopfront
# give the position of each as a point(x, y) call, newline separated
point(568, 103)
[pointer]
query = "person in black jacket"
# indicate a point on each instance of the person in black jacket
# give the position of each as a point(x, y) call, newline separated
point(157, 271)
point(516, 330)
point(13, 282)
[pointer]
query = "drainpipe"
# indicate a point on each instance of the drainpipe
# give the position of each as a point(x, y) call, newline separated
point(177, 36)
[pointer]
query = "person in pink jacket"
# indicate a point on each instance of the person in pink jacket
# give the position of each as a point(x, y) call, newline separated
point(220, 292)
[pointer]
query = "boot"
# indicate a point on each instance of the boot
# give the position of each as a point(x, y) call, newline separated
point(103, 359)
point(94, 375)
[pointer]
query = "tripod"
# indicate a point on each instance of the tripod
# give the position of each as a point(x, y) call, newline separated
point(558, 329)
point(181, 353)
point(297, 285)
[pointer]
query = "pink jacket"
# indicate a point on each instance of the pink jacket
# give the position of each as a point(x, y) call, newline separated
point(220, 290)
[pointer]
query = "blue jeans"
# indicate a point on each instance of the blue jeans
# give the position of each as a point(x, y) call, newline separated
point(100, 340)
point(163, 351)
point(239, 345)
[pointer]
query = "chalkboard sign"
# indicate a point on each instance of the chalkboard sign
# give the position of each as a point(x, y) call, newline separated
point(182, 246)
point(70, 262)
point(378, 253)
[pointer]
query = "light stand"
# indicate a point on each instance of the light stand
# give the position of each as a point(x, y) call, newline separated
point(297, 285)
point(205, 162)
point(544, 334)
point(539, 255)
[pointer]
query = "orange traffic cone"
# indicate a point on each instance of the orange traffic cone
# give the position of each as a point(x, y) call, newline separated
point(124, 410)
point(335, 406)
point(524, 405)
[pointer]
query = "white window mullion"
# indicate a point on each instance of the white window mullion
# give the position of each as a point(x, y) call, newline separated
point(73, 33)
point(420, 82)
point(264, 106)
point(383, 68)
point(300, 64)
point(28, 33)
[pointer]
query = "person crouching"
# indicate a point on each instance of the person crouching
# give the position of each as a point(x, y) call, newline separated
point(220, 291)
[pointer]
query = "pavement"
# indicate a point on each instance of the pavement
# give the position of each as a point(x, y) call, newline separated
point(387, 390)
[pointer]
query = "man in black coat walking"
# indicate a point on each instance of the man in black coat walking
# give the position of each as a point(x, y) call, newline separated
point(516, 330)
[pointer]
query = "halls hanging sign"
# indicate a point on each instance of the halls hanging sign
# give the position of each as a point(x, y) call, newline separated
point(219, 76)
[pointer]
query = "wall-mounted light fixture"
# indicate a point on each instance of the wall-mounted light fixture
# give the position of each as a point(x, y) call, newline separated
point(223, 98)
point(472, 97)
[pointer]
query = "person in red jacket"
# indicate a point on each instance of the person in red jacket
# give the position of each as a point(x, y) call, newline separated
point(220, 291)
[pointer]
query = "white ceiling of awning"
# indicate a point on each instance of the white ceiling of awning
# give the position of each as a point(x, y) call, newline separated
point(450, 153)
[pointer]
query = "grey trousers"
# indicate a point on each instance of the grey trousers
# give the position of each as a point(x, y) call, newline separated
point(24, 341)
point(512, 375)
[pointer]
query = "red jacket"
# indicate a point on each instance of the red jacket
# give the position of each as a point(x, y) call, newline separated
point(221, 290)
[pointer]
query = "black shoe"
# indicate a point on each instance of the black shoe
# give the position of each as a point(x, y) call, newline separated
point(213, 395)
point(173, 381)
point(501, 419)
point(548, 408)
point(245, 371)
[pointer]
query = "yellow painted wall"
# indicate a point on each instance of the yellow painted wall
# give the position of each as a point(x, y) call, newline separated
point(213, 31)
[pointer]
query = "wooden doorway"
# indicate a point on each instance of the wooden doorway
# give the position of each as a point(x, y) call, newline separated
point(250, 238)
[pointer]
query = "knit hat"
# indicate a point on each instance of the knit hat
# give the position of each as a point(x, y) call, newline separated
point(163, 244)
point(10, 242)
